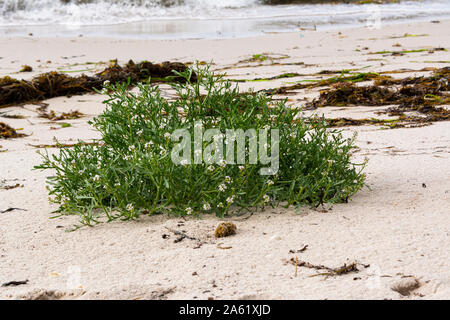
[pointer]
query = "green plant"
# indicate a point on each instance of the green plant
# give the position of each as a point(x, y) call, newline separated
point(130, 171)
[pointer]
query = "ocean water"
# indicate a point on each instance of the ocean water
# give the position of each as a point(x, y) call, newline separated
point(201, 18)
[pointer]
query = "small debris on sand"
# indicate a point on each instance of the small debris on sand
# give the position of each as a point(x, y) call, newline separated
point(14, 283)
point(225, 229)
point(406, 285)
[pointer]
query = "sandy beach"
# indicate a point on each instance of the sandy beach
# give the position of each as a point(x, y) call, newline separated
point(398, 231)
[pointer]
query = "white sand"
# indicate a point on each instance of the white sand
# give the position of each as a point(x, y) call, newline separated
point(399, 227)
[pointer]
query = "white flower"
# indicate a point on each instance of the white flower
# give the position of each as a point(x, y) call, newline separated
point(230, 199)
point(241, 168)
point(259, 116)
point(167, 135)
point(148, 144)
point(129, 207)
point(220, 205)
point(293, 135)
point(222, 163)
point(222, 187)
point(162, 125)
point(270, 182)
point(228, 179)
point(206, 206)
point(132, 148)
point(210, 168)
point(127, 157)
point(139, 132)
point(163, 152)
point(106, 83)
point(266, 198)
point(117, 184)
point(189, 210)
point(97, 178)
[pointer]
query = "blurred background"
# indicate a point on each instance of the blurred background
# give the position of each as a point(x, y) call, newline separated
point(203, 18)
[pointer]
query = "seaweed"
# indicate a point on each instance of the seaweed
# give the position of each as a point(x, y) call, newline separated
point(64, 116)
point(26, 68)
point(353, 78)
point(402, 52)
point(63, 145)
point(261, 57)
point(344, 94)
point(55, 84)
point(9, 187)
point(8, 132)
point(418, 94)
point(409, 35)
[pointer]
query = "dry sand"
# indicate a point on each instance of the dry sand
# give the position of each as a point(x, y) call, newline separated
point(400, 227)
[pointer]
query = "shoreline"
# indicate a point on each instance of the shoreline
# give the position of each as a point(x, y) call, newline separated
point(188, 29)
point(399, 227)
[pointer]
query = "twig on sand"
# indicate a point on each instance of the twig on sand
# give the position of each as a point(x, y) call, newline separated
point(219, 245)
point(296, 266)
point(11, 209)
point(14, 283)
point(352, 267)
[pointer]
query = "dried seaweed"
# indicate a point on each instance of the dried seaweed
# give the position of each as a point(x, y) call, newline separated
point(54, 84)
point(9, 187)
point(26, 68)
point(418, 94)
point(344, 94)
point(353, 78)
point(63, 145)
point(64, 116)
point(8, 132)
